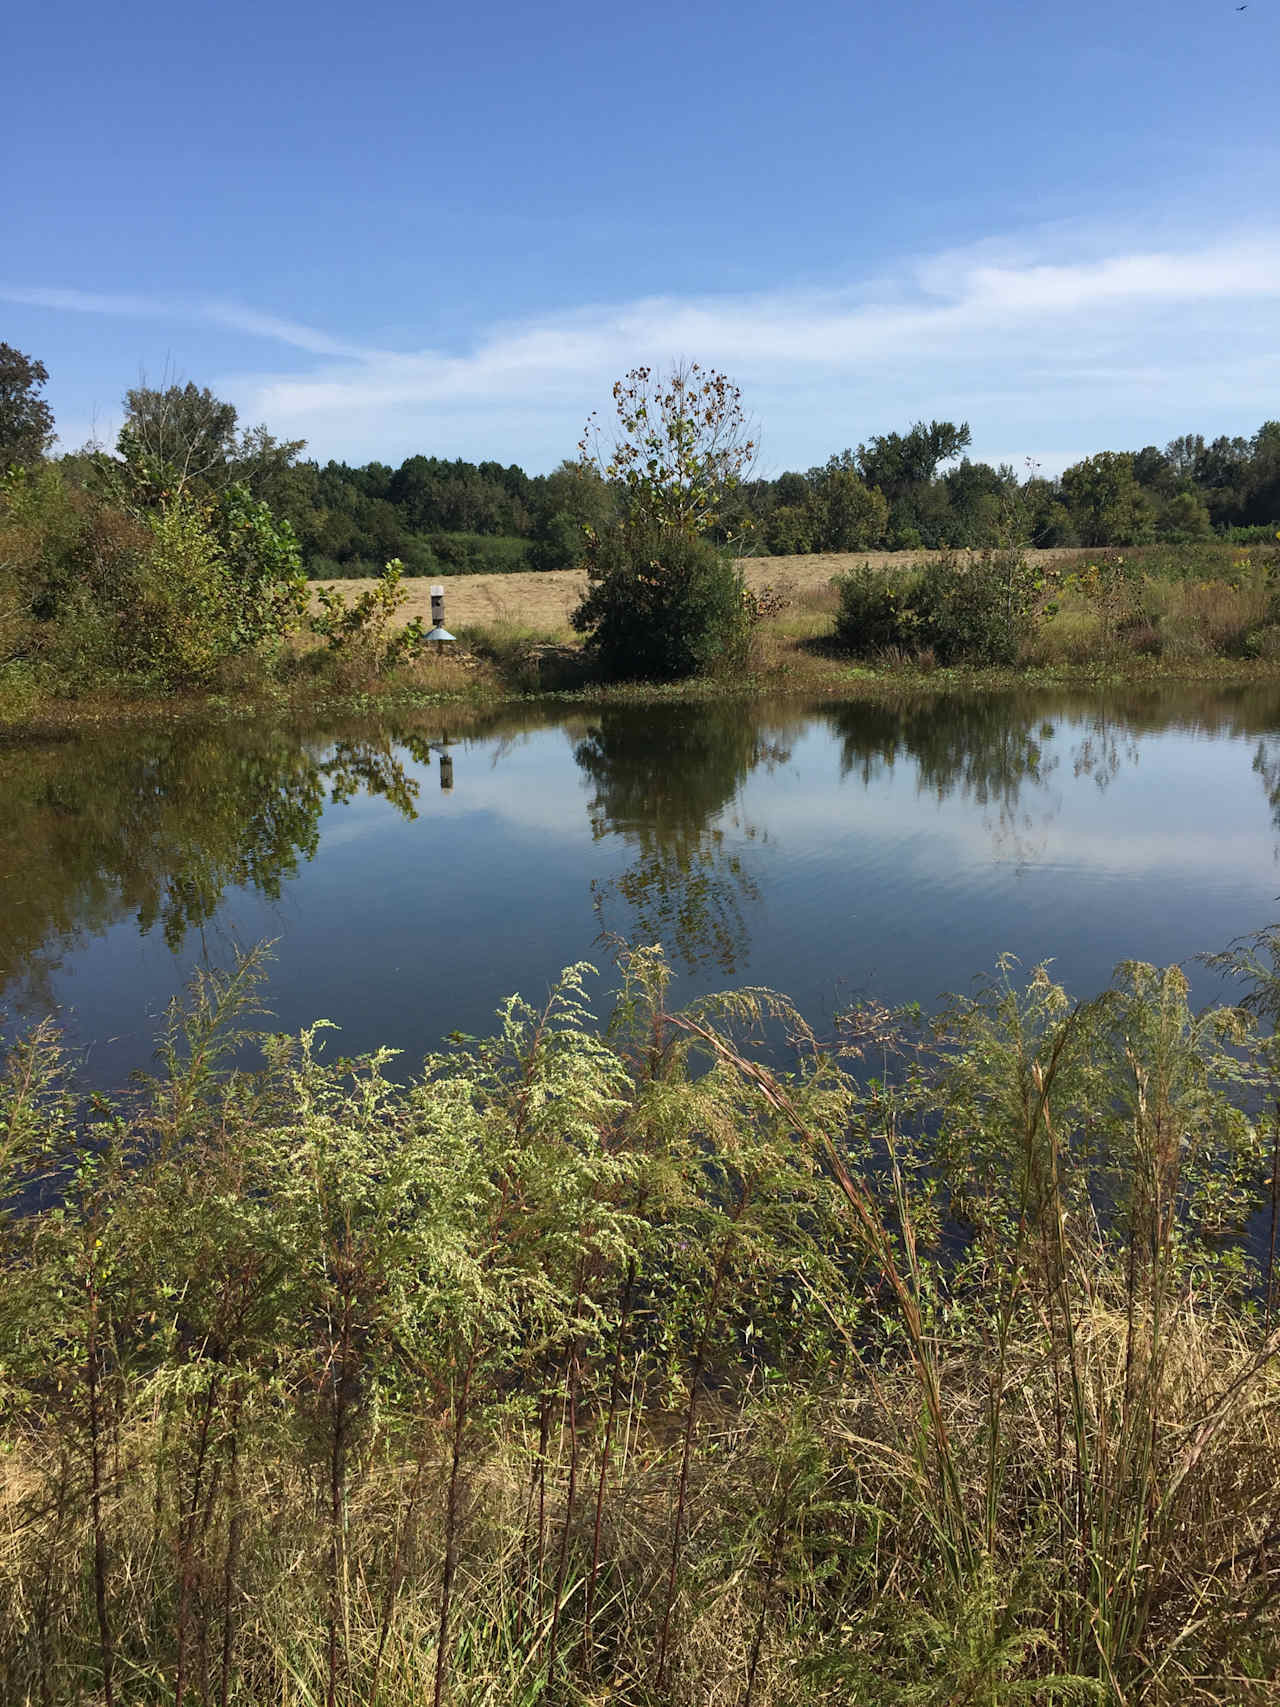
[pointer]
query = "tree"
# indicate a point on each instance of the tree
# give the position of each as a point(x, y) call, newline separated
point(182, 435)
point(680, 447)
point(848, 515)
point(897, 462)
point(1153, 469)
point(1106, 503)
point(1184, 517)
point(663, 600)
point(904, 466)
point(26, 420)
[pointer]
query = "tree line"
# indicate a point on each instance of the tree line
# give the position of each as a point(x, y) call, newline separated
point(900, 490)
point(915, 489)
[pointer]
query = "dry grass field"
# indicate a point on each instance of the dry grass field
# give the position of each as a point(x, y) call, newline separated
point(542, 603)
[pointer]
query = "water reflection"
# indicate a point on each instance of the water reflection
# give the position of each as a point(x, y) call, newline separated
point(160, 824)
point(799, 843)
point(987, 750)
point(668, 782)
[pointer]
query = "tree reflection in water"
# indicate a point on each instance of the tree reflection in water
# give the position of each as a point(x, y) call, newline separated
point(158, 825)
point(664, 779)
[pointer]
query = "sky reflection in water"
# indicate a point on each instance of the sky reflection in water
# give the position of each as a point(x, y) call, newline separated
point(829, 852)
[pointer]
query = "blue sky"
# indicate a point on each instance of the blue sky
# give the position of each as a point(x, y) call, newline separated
point(395, 228)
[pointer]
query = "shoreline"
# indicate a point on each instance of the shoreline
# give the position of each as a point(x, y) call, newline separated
point(851, 683)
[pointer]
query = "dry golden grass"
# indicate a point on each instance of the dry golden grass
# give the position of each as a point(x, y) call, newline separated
point(543, 602)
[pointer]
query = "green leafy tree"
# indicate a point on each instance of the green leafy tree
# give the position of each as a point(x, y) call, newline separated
point(847, 514)
point(1185, 516)
point(182, 435)
point(1106, 503)
point(26, 420)
point(664, 601)
point(263, 566)
point(177, 627)
point(788, 532)
point(573, 503)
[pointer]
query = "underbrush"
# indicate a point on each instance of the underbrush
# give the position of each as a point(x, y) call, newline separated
point(1177, 604)
point(620, 1365)
point(527, 659)
point(1112, 607)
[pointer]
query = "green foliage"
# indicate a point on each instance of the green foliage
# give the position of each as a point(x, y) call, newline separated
point(1185, 517)
point(263, 566)
point(473, 554)
point(874, 611)
point(679, 449)
point(662, 604)
point(26, 420)
point(789, 531)
point(610, 1362)
point(846, 514)
point(1105, 501)
point(973, 610)
point(361, 631)
point(176, 626)
point(164, 589)
point(183, 435)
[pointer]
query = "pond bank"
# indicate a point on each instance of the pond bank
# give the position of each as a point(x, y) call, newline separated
point(798, 673)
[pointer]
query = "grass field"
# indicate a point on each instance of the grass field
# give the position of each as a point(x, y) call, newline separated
point(542, 602)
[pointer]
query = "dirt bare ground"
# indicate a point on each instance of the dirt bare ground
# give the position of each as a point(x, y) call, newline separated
point(543, 602)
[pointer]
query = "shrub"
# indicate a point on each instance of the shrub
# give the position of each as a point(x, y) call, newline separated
point(662, 604)
point(874, 610)
point(361, 632)
point(608, 1364)
point(974, 610)
point(263, 564)
point(98, 582)
point(177, 626)
point(962, 609)
point(477, 554)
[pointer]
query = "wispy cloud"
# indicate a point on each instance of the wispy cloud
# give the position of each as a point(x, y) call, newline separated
point(1041, 341)
point(207, 311)
point(954, 311)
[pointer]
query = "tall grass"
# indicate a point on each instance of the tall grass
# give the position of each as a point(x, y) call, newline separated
point(641, 1364)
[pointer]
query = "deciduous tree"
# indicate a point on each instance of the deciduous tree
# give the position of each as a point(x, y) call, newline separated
point(680, 446)
point(26, 420)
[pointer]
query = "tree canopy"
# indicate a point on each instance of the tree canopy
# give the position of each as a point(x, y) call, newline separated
point(26, 420)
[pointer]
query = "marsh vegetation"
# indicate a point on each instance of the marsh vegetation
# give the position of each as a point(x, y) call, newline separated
point(632, 1362)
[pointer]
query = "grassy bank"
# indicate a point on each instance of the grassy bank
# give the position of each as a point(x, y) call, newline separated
point(1189, 613)
point(625, 1366)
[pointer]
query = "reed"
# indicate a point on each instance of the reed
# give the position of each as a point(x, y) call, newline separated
point(641, 1362)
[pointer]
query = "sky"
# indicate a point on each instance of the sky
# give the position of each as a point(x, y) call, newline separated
point(401, 228)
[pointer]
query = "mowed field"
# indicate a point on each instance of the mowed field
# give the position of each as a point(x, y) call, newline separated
point(543, 602)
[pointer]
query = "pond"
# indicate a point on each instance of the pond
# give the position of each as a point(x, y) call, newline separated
point(414, 872)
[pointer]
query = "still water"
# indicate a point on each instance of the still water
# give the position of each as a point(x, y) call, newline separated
point(831, 852)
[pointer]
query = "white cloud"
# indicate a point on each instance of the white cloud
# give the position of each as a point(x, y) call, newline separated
point(1058, 354)
point(197, 311)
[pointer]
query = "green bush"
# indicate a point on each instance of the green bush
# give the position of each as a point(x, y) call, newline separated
point(974, 610)
point(874, 610)
point(662, 604)
point(1262, 533)
point(962, 609)
point(559, 543)
point(94, 584)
